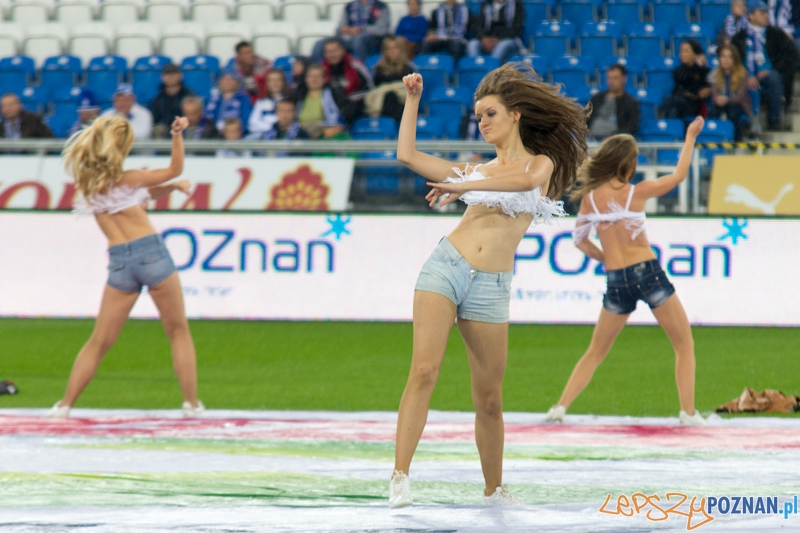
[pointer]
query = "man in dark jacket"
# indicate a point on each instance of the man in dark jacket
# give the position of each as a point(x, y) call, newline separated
point(17, 123)
point(614, 110)
point(771, 60)
point(166, 105)
point(497, 29)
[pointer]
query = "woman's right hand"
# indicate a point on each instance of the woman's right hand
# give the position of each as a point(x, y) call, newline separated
point(180, 124)
point(413, 84)
point(695, 127)
point(183, 185)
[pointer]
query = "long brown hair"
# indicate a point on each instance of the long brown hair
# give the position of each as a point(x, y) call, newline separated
point(393, 67)
point(616, 157)
point(738, 72)
point(550, 123)
point(94, 155)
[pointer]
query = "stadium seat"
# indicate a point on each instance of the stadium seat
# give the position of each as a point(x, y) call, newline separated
point(647, 40)
point(118, 12)
point(60, 124)
point(74, 12)
point(634, 66)
point(60, 71)
point(104, 74)
point(471, 70)
point(44, 40)
point(437, 71)
point(222, 38)
point(671, 13)
point(625, 14)
point(381, 180)
point(90, 39)
point(208, 12)
point(26, 13)
point(200, 73)
point(374, 128)
point(599, 39)
point(182, 39)
point(716, 131)
point(300, 11)
point(35, 99)
point(535, 14)
point(15, 74)
point(572, 71)
point(553, 39)
point(429, 128)
point(274, 39)
point(577, 12)
point(649, 101)
point(452, 105)
point(700, 32)
point(284, 63)
point(146, 77)
point(136, 39)
point(662, 130)
point(581, 94)
point(372, 60)
point(164, 12)
point(540, 64)
point(254, 11)
point(658, 72)
point(11, 36)
point(65, 101)
point(310, 32)
point(714, 13)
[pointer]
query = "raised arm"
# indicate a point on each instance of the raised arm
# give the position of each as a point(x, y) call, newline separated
point(664, 184)
point(428, 166)
point(150, 178)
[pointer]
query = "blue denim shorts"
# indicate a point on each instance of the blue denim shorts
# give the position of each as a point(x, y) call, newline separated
point(139, 263)
point(478, 295)
point(644, 281)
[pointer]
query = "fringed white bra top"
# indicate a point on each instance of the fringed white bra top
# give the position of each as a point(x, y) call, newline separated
point(541, 207)
point(587, 221)
point(114, 201)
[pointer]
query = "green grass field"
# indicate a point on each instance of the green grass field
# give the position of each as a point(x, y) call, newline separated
point(363, 366)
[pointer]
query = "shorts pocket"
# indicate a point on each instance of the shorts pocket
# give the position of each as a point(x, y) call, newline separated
point(113, 266)
point(152, 257)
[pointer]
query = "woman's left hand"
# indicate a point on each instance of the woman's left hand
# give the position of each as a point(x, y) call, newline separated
point(449, 192)
point(183, 185)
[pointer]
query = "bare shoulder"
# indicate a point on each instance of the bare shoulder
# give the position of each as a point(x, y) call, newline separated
point(540, 162)
point(133, 177)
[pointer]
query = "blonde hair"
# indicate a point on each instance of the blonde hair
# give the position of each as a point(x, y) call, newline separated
point(94, 155)
point(616, 157)
point(395, 67)
point(738, 72)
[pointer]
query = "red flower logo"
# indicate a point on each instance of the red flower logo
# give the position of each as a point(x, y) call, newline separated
point(301, 190)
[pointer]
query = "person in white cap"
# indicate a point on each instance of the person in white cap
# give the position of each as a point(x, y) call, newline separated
point(125, 106)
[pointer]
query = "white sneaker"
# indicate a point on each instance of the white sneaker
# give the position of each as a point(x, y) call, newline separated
point(58, 411)
point(399, 491)
point(556, 414)
point(694, 420)
point(501, 497)
point(193, 412)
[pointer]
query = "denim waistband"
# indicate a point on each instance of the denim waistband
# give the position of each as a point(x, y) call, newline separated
point(136, 246)
point(636, 270)
point(454, 256)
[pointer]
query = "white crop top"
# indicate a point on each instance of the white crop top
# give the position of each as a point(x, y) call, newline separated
point(114, 201)
point(541, 207)
point(587, 221)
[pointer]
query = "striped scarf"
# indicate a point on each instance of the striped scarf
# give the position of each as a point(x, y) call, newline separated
point(488, 14)
point(456, 27)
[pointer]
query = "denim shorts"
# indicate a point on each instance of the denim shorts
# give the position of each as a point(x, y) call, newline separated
point(139, 263)
point(644, 281)
point(478, 295)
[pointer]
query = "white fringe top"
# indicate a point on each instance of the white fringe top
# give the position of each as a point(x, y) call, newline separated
point(541, 207)
point(114, 201)
point(586, 221)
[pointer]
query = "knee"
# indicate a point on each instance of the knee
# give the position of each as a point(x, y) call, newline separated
point(489, 403)
point(176, 328)
point(424, 376)
point(101, 343)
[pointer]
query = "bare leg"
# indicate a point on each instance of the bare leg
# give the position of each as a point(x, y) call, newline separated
point(487, 347)
point(434, 315)
point(605, 333)
point(672, 317)
point(168, 297)
point(115, 307)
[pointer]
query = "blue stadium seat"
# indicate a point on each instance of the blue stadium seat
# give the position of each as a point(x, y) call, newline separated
point(714, 13)
point(200, 73)
point(60, 124)
point(716, 131)
point(60, 71)
point(109, 62)
point(437, 71)
point(662, 130)
point(671, 13)
point(540, 64)
point(658, 72)
point(573, 71)
point(471, 70)
point(146, 77)
point(285, 63)
point(647, 39)
point(372, 60)
point(535, 14)
point(104, 74)
point(599, 39)
point(625, 14)
point(15, 73)
point(700, 32)
point(551, 45)
point(649, 100)
point(35, 99)
point(578, 12)
point(581, 94)
point(634, 66)
point(374, 128)
point(381, 180)
point(451, 104)
point(429, 128)
point(559, 28)
point(65, 101)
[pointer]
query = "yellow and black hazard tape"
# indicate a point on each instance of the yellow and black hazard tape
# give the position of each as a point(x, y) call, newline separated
point(751, 145)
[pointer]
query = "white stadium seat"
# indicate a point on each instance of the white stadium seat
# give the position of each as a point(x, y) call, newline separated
point(11, 36)
point(182, 39)
point(223, 37)
point(136, 39)
point(27, 12)
point(119, 12)
point(164, 12)
point(45, 40)
point(208, 12)
point(310, 33)
point(74, 12)
point(90, 40)
point(254, 12)
point(300, 11)
point(274, 39)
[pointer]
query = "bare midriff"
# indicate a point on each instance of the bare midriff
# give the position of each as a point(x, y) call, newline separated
point(128, 225)
point(488, 238)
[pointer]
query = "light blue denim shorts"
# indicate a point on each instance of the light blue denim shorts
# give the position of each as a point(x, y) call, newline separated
point(478, 295)
point(140, 263)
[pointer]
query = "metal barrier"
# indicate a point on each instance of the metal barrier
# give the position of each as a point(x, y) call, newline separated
point(454, 150)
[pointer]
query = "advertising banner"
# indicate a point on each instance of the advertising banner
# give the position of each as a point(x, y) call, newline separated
point(755, 185)
point(364, 267)
point(218, 184)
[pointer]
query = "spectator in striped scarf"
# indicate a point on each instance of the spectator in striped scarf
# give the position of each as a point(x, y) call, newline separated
point(498, 29)
point(448, 30)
